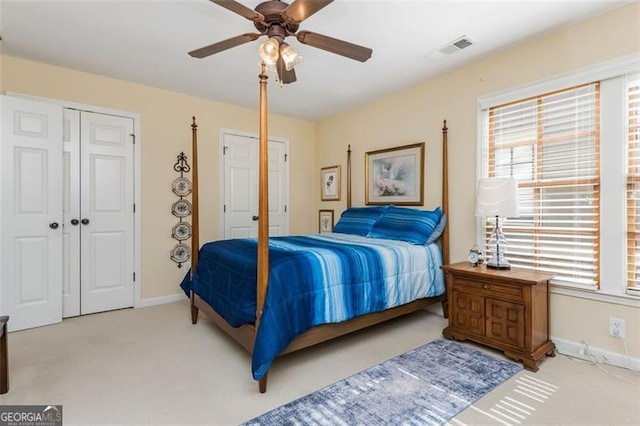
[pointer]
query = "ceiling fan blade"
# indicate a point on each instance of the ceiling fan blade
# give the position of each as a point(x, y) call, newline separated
point(240, 9)
point(333, 45)
point(300, 10)
point(285, 76)
point(224, 45)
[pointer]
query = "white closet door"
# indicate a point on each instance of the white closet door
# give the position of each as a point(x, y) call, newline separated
point(240, 186)
point(71, 213)
point(241, 165)
point(107, 218)
point(278, 182)
point(31, 225)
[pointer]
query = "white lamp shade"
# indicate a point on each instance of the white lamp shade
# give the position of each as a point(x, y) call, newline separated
point(289, 56)
point(497, 197)
point(268, 51)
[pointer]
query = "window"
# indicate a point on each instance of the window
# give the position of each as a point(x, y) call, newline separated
point(633, 183)
point(573, 143)
point(551, 144)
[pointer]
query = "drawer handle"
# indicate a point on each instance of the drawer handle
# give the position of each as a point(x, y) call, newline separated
point(486, 286)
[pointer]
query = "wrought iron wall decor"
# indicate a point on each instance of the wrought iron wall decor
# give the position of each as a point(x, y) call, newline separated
point(181, 231)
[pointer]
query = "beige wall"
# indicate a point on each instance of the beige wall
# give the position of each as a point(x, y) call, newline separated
point(165, 127)
point(416, 115)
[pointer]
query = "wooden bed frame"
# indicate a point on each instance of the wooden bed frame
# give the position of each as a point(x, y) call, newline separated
point(245, 334)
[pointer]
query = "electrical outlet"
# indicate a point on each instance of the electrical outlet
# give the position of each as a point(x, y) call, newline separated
point(616, 327)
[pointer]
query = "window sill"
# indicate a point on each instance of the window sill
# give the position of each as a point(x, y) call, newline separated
point(597, 295)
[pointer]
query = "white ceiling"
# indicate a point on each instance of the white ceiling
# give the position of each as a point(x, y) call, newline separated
point(147, 42)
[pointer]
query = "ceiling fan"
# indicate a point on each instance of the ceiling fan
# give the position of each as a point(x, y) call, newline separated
point(278, 20)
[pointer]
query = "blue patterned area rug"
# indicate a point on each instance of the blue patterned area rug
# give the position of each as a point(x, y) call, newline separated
point(428, 385)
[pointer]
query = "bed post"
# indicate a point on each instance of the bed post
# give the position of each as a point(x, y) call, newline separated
point(349, 176)
point(445, 207)
point(445, 193)
point(263, 212)
point(195, 232)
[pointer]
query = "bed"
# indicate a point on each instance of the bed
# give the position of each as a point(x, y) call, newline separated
point(380, 263)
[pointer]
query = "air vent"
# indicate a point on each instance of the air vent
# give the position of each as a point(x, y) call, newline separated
point(455, 46)
point(462, 43)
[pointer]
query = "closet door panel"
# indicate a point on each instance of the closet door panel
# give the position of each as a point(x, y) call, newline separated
point(71, 213)
point(30, 213)
point(107, 212)
point(107, 185)
point(108, 276)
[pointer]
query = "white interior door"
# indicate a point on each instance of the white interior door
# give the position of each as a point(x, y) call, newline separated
point(278, 217)
point(31, 225)
point(240, 186)
point(107, 212)
point(71, 213)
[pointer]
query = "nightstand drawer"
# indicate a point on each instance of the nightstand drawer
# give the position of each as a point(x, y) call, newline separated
point(486, 288)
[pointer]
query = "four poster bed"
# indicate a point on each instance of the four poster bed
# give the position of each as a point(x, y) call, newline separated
point(320, 286)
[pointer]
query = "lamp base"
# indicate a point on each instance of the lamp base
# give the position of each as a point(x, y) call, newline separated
point(503, 264)
point(498, 267)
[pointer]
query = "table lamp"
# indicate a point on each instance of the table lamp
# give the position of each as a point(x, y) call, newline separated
point(497, 197)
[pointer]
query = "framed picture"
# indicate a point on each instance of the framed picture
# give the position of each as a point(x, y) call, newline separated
point(330, 181)
point(325, 220)
point(395, 176)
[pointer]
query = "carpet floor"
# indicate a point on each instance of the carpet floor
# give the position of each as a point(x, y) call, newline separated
point(428, 385)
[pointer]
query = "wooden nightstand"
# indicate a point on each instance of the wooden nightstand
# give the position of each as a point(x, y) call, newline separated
point(505, 309)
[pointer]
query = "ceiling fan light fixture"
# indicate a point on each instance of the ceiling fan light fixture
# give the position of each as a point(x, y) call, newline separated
point(269, 52)
point(289, 56)
point(277, 20)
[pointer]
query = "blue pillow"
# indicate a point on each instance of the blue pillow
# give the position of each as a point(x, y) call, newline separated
point(358, 220)
point(438, 230)
point(410, 225)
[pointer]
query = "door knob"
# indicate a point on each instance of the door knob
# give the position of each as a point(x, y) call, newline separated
point(254, 218)
point(75, 221)
point(85, 221)
point(54, 225)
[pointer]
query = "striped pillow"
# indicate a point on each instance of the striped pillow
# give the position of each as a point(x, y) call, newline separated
point(410, 225)
point(438, 230)
point(359, 220)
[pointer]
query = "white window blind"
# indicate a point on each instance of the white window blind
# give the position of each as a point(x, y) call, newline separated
point(633, 183)
point(551, 144)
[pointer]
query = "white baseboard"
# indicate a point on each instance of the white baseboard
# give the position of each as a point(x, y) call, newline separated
point(160, 300)
point(576, 350)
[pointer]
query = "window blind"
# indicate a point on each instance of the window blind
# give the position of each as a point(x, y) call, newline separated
point(551, 144)
point(633, 183)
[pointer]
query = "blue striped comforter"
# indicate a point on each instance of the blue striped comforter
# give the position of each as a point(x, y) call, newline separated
point(313, 280)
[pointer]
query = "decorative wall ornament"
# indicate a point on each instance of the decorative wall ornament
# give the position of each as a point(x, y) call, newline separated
point(181, 186)
point(181, 231)
point(181, 208)
point(180, 253)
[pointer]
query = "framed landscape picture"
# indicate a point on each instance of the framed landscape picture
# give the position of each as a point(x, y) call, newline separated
point(395, 176)
point(325, 221)
point(330, 183)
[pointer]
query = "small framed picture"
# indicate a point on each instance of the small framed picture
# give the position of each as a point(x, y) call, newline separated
point(330, 181)
point(325, 220)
